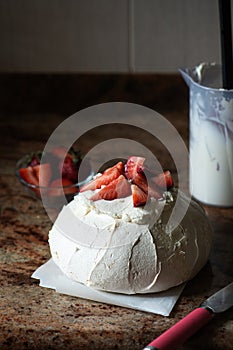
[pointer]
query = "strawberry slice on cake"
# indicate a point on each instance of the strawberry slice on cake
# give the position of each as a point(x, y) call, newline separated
point(105, 178)
point(121, 180)
point(118, 188)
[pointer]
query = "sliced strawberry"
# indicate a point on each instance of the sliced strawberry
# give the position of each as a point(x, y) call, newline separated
point(108, 176)
point(59, 152)
point(118, 188)
point(120, 167)
point(133, 166)
point(29, 176)
point(163, 180)
point(69, 187)
point(154, 192)
point(43, 173)
point(141, 181)
point(56, 190)
point(139, 196)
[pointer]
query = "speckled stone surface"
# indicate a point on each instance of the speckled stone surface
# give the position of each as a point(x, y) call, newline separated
point(32, 317)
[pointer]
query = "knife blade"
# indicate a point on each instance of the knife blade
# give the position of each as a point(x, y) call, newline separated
point(190, 324)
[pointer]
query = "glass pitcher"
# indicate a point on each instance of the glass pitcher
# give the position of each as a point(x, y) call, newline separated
point(211, 135)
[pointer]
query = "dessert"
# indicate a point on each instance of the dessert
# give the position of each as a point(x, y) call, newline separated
point(113, 235)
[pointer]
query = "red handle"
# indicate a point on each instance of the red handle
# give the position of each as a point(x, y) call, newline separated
point(182, 330)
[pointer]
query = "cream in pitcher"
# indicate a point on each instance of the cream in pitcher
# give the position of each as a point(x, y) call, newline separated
point(211, 135)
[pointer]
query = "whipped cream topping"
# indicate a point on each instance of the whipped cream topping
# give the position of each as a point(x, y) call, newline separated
point(113, 246)
point(118, 209)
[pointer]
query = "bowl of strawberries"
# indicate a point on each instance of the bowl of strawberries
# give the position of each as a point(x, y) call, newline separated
point(56, 174)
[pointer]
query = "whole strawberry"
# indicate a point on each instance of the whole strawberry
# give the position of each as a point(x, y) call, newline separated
point(67, 162)
point(34, 158)
point(69, 168)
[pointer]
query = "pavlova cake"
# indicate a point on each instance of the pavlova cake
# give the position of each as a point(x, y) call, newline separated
point(114, 235)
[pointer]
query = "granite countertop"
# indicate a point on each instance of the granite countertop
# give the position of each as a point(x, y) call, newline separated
point(32, 317)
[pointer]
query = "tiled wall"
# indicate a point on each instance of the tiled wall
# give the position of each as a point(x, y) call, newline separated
point(107, 35)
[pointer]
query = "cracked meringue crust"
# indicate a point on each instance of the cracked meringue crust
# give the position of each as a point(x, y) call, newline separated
point(113, 246)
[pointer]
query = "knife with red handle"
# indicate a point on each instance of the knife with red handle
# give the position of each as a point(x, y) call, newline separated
point(177, 335)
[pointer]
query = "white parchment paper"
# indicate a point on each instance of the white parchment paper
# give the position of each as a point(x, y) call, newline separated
point(51, 276)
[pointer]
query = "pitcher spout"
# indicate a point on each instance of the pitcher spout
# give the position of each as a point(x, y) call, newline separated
point(186, 76)
point(204, 74)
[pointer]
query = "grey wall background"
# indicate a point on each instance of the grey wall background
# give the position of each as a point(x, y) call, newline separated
point(107, 35)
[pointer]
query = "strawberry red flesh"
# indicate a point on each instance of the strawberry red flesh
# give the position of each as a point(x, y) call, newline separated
point(139, 196)
point(69, 169)
point(66, 162)
point(120, 181)
point(141, 181)
point(154, 192)
point(120, 167)
point(29, 176)
point(43, 173)
point(57, 190)
point(59, 152)
point(134, 166)
point(57, 174)
point(118, 188)
point(108, 176)
point(163, 181)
